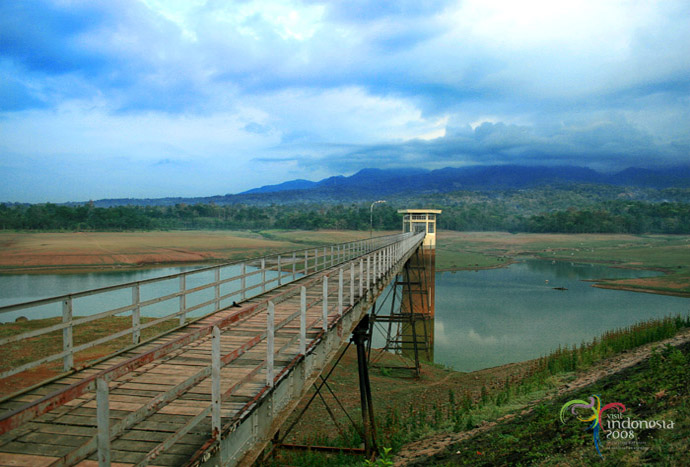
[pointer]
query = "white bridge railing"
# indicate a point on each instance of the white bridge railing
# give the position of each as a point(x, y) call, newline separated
point(358, 271)
point(204, 290)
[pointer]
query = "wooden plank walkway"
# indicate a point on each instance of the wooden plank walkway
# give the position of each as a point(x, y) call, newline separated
point(164, 397)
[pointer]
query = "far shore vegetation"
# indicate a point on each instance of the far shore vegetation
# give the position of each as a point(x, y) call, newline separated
point(60, 252)
point(569, 209)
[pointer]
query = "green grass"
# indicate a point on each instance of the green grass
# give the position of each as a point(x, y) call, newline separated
point(447, 258)
point(657, 389)
point(398, 426)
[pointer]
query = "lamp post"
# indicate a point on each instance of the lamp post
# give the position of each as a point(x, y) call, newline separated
point(371, 216)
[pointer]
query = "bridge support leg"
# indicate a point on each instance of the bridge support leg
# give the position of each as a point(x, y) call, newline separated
point(410, 323)
point(359, 336)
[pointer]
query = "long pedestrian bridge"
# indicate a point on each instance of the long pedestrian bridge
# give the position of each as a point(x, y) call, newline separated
point(248, 340)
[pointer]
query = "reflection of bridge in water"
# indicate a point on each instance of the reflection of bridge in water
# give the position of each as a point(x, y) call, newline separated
point(212, 390)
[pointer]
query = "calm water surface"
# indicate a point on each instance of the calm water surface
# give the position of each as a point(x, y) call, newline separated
point(483, 318)
point(19, 288)
point(492, 317)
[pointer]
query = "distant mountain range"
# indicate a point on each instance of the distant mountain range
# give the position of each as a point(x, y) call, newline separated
point(368, 184)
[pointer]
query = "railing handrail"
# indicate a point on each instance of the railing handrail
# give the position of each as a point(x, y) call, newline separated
point(59, 397)
point(110, 288)
point(348, 250)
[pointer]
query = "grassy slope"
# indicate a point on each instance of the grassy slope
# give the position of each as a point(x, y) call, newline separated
point(435, 413)
point(656, 389)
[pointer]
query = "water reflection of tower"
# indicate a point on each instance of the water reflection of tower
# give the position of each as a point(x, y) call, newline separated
point(410, 323)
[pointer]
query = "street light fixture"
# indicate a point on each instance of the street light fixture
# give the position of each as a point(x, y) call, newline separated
point(371, 216)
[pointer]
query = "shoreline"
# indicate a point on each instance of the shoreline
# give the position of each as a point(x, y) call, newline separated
point(627, 288)
point(129, 267)
point(87, 269)
point(598, 283)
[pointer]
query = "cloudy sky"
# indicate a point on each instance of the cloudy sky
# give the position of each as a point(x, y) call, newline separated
point(152, 98)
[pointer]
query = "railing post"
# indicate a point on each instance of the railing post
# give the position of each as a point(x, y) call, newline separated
point(352, 284)
point(183, 298)
point(216, 277)
point(332, 258)
point(243, 281)
point(361, 277)
point(382, 262)
point(316, 259)
point(103, 422)
point(325, 303)
point(368, 271)
point(67, 338)
point(270, 343)
point(324, 258)
point(215, 384)
point(294, 265)
point(303, 320)
point(338, 253)
point(280, 272)
point(306, 262)
point(340, 291)
point(374, 274)
point(136, 315)
point(263, 274)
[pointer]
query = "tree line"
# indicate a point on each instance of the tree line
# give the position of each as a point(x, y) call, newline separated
point(198, 216)
point(633, 217)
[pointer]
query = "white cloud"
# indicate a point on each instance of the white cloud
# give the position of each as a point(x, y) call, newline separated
point(375, 82)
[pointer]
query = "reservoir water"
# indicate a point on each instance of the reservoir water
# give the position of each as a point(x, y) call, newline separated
point(483, 318)
point(492, 317)
point(19, 288)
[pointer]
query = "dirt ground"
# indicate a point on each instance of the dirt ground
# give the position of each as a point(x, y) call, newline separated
point(58, 252)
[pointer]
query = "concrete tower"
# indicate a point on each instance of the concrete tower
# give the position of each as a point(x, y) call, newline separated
point(421, 220)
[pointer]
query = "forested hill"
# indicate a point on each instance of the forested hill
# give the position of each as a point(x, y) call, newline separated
point(370, 184)
point(517, 199)
point(579, 209)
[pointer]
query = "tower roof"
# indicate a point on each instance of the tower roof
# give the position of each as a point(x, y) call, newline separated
point(419, 211)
